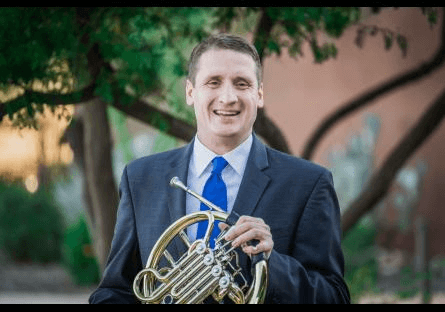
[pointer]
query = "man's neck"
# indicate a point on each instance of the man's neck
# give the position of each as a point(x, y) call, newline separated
point(221, 145)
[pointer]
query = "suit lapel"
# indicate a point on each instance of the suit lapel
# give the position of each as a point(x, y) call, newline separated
point(254, 181)
point(176, 197)
point(252, 186)
point(178, 167)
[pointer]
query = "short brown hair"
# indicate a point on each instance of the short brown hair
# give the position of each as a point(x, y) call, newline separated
point(223, 41)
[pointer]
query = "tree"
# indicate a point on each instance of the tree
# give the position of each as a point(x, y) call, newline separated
point(127, 49)
point(334, 23)
point(115, 56)
point(367, 97)
point(97, 57)
point(380, 181)
point(127, 58)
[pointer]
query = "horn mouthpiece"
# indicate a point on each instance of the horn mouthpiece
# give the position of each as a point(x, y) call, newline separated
point(176, 182)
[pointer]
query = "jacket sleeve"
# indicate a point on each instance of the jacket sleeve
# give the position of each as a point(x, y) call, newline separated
point(313, 271)
point(124, 260)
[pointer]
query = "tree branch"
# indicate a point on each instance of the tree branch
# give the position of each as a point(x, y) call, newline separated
point(158, 119)
point(367, 97)
point(379, 183)
point(267, 129)
point(146, 112)
point(51, 98)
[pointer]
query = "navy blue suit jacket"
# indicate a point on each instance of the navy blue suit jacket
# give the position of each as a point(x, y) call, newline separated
point(296, 198)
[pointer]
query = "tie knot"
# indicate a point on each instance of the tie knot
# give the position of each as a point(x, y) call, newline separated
point(219, 163)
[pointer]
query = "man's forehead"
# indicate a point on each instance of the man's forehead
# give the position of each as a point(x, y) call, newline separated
point(216, 61)
point(217, 54)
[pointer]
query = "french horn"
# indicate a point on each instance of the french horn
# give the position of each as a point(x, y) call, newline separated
point(201, 271)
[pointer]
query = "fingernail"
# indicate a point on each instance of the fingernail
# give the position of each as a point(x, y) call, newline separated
point(228, 234)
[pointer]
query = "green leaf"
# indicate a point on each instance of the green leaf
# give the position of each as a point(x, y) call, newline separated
point(30, 110)
point(274, 47)
point(333, 50)
point(295, 48)
point(10, 111)
point(319, 56)
point(160, 122)
point(388, 40)
point(403, 44)
point(335, 23)
point(104, 91)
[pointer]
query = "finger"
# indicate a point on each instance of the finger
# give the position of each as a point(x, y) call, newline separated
point(240, 228)
point(264, 246)
point(222, 226)
point(257, 233)
point(245, 219)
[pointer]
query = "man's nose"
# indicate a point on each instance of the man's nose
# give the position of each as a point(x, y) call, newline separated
point(228, 95)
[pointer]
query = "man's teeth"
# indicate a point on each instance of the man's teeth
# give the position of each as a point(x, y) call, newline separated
point(226, 113)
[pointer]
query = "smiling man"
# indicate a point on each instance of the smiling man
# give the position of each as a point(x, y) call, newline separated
point(225, 94)
point(287, 204)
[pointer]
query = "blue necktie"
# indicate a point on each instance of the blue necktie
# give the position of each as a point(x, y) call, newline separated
point(215, 191)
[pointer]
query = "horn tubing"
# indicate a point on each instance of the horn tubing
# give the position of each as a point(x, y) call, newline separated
point(176, 182)
point(188, 278)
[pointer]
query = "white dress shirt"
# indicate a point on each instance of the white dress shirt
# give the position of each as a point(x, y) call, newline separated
point(200, 168)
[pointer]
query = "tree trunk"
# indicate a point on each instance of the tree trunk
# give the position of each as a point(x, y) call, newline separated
point(263, 125)
point(262, 33)
point(377, 187)
point(102, 190)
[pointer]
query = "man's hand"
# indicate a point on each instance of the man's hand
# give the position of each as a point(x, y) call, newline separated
point(246, 229)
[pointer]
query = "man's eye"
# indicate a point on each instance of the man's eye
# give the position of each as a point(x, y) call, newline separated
point(213, 83)
point(242, 85)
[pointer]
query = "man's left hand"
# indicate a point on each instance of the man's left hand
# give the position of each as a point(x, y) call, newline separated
point(246, 229)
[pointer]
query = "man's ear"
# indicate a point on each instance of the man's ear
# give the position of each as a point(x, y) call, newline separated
point(189, 92)
point(260, 96)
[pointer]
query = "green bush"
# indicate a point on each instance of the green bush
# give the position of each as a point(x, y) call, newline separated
point(360, 263)
point(408, 283)
point(78, 254)
point(31, 225)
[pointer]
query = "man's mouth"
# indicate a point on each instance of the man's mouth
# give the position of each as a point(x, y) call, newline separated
point(226, 113)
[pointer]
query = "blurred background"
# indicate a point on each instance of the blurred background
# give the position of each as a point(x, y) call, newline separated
point(83, 91)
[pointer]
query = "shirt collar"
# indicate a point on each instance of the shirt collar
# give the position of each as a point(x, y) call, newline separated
point(237, 158)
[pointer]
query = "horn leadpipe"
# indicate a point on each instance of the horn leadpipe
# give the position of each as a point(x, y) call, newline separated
point(176, 182)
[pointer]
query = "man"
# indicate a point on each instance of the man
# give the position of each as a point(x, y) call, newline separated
point(287, 204)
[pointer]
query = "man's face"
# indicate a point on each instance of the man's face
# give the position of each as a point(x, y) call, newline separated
point(226, 95)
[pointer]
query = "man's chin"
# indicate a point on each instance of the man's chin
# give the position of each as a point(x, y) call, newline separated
point(233, 136)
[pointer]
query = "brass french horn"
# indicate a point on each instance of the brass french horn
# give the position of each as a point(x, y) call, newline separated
point(201, 271)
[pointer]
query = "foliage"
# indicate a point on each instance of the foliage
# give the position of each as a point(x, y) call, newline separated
point(119, 126)
point(31, 225)
point(292, 26)
point(164, 142)
point(132, 52)
point(360, 263)
point(303, 24)
point(141, 50)
point(389, 35)
point(410, 279)
point(408, 283)
point(78, 254)
point(30, 40)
